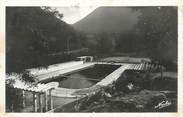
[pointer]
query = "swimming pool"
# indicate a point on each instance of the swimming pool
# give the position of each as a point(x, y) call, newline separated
point(84, 78)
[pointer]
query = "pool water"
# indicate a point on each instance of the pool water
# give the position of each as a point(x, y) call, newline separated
point(87, 77)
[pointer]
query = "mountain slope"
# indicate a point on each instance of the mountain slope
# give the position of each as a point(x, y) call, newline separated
point(108, 19)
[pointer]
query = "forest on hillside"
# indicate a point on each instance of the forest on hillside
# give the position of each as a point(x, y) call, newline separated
point(153, 36)
point(35, 33)
point(32, 33)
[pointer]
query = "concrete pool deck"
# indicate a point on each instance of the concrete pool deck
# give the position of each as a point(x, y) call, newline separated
point(63, 71)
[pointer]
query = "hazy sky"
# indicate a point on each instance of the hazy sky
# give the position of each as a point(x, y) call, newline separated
point(74, 14)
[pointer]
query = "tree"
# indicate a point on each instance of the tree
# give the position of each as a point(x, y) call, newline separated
point(155, 24)
point(34, 32)
point(127, 42)
point(104, 43)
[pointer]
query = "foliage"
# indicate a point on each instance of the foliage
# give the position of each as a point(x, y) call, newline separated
point(128, 42)
point(154, 35)
point(158, 27)
point(28, 78)
point(34, 32)
point(104, 44)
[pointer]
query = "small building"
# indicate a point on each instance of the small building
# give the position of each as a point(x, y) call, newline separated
point(85, 58)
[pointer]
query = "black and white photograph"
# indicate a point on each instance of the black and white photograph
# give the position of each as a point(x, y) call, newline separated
point(91, 59)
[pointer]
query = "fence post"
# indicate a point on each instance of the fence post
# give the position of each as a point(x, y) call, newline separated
point(23, 98)
point(40, 103)
point(51, 100)
point(46, 101)
point(35, 101)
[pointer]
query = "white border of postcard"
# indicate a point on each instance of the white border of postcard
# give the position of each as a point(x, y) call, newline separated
point(178, 3)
